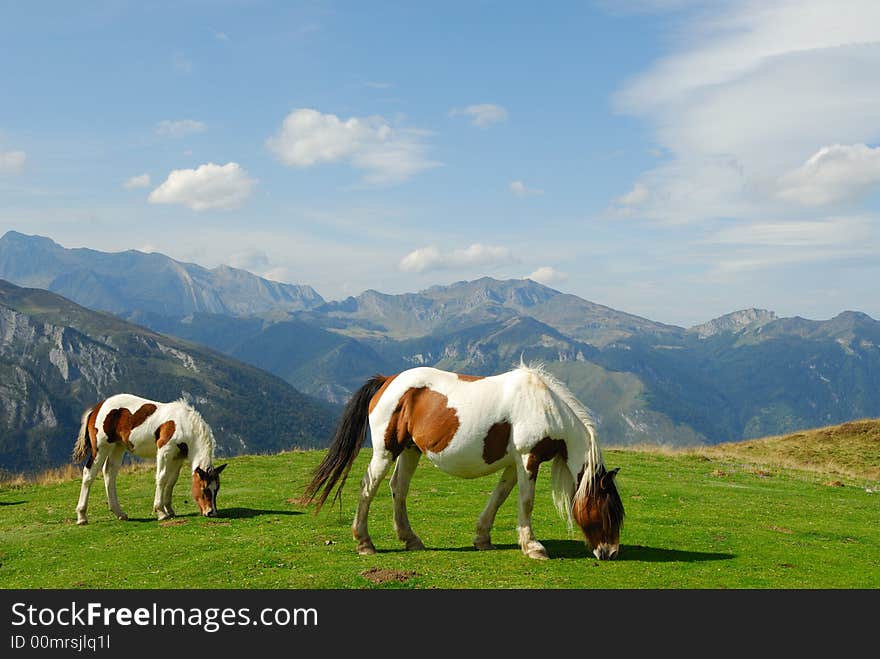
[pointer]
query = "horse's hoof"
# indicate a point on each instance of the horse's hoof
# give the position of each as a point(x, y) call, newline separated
point(122, 517)
point(414, 544)
point(82, 522)
point(366, 548)
point(536, 550)
point(163, 516)
point(483, 545)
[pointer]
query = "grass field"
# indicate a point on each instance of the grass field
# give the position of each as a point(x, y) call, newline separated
point(693, 521)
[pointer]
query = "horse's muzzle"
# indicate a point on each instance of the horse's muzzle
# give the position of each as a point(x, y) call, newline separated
point(606, 552)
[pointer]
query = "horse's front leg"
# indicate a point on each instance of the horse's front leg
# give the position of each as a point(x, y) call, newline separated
point(111, 470)
point(526, 485)
point(400, 480)
point(173, 474)
point(376, 470)
point(163, 473)
point(499, 495)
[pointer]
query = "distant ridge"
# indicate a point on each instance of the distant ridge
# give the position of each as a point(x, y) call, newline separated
point(733, 322)
point(125, 282)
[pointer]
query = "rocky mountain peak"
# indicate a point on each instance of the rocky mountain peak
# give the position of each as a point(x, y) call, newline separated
point(733, 322)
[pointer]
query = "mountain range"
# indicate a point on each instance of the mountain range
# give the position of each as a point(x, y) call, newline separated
point(57, 359)
point(746, 374)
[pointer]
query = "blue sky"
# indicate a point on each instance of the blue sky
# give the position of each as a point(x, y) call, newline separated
point(673, 159)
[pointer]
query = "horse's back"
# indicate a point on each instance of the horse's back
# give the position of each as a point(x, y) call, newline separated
point(468, 426)
point(133, 421)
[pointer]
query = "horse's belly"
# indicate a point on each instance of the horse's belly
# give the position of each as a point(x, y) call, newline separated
point(144, 444)
point(466, 464)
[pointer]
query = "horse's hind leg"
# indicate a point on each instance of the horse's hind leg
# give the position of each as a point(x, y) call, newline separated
point(400, 480)
point(111, 469)
point(526, 485)
point(376, 470)
point(89, 474)
point(499, 495)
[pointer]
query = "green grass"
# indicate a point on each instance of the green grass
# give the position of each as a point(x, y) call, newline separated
point(692, 522)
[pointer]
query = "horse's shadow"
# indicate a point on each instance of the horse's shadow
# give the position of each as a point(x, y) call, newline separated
point(224, 513)
point(248, 513)
point(577, 549)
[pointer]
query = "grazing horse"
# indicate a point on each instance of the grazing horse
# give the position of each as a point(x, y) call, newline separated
point(169, 432)
point(470, 426)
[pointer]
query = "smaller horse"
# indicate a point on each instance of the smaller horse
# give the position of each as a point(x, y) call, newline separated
point(170, 432)
point(471, 426)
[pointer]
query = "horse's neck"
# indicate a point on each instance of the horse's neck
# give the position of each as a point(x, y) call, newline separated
point(203, 447)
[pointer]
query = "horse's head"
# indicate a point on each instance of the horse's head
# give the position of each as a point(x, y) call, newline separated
point(600, 514)
point(205, 485)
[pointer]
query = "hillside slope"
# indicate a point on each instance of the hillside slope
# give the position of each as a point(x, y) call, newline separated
point(57, 358)
point(850, 449)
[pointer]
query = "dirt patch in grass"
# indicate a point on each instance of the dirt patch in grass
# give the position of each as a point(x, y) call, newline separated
point(379, 575)
point(173, 522)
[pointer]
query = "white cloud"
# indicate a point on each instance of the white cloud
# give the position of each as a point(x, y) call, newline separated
point(208, 187)
point(809, 233)
point(431, 258)
point(635, 197)
point(547, 275)
point(750, 90)
point(12, 162)
point(140, 181)
point(520, 189)
point(254, 260)
point(179, 128)
point(181, 64)
point(482, 115)
point(834, 173)
point(386, 155)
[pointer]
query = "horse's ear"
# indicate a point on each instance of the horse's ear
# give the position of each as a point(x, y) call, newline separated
point(219, 469)
point(609, 475)
point(202, 473)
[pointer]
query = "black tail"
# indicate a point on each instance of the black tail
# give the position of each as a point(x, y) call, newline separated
point(345, 445)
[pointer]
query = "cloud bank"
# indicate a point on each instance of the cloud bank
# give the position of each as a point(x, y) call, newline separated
point(431, 258)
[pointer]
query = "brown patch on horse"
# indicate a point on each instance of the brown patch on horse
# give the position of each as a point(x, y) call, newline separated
point(92, 429)
point(545, 450)
point(422, 417)
point(375, 399)
point(119, 423)
point(495, 443)
point(470, 378)
point(164, 433)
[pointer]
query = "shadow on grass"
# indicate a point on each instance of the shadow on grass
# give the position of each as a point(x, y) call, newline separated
point(577, 549)
point(248, 513)
point(223, 513)
point(659, 555)
point(11, 503)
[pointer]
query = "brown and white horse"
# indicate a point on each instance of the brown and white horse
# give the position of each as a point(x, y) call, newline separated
point(470, 427)
point(170, 432)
